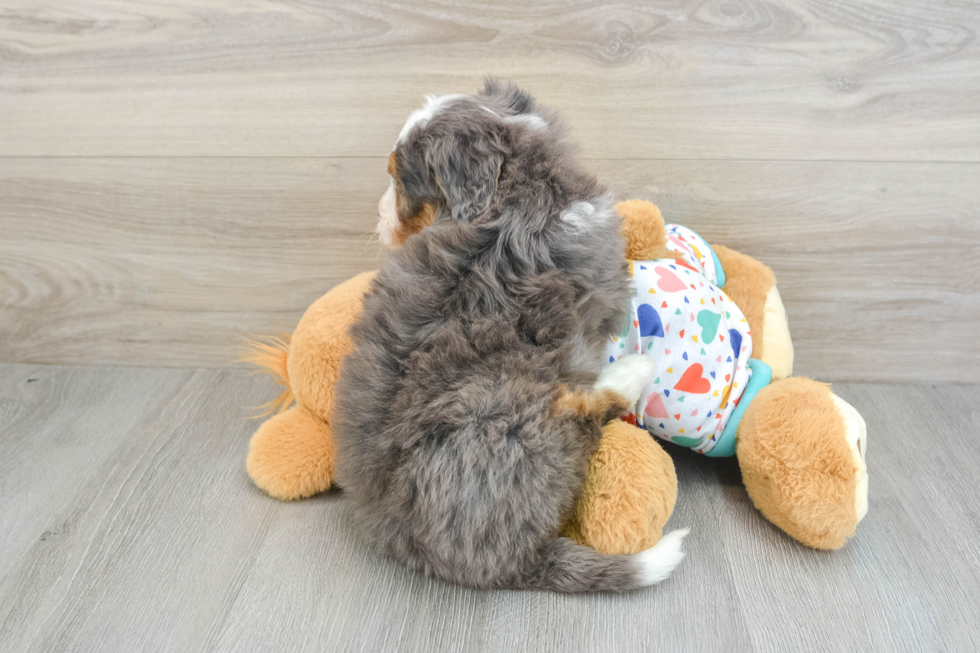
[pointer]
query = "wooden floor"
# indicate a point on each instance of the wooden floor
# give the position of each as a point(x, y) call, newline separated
point(129, 524)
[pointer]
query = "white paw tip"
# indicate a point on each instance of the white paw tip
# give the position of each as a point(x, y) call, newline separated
point(628, 376)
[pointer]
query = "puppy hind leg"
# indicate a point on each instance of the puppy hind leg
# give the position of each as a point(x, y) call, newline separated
point(592, 406)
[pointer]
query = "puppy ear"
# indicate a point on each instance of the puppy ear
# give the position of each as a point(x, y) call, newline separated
point(467, 169)
point(514, 98)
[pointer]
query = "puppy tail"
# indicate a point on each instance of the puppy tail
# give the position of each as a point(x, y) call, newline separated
point(270, 357)
point(570, 567)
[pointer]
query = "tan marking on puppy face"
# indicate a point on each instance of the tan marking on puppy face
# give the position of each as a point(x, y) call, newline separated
point(394, 226)
point(413, 225)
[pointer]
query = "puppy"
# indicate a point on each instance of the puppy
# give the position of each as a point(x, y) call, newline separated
point(468, 410)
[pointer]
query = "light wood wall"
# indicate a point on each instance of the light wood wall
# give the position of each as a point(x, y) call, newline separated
point(176, 176)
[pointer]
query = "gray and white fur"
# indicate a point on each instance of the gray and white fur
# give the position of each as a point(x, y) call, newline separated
point(449, 444)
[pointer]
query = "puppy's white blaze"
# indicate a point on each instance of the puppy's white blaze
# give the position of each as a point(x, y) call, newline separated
point(627, 376)
point(424, 115)
point(657, 562)
point(388, 216)
point(856, 432)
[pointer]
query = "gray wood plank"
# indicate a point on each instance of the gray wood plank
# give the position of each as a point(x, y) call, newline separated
point(169, 547)
point(910, 579)
point(62, 429)
point(761, 79)
point(172, 261)
point(136, 556)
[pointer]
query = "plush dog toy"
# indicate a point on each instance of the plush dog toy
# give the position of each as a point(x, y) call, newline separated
point(713, 320)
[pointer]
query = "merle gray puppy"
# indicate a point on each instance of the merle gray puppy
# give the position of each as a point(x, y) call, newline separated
point(468, 410)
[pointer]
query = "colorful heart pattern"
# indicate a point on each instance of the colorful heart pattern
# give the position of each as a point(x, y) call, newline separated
point(709, 321)
point(649, 321)
point(655, 407)
point(668, 281)
point(735, 339)
point(692, 381)
point(699, 339)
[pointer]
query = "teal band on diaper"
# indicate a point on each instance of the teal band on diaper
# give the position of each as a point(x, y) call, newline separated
point(719, 271)
point(761, 377)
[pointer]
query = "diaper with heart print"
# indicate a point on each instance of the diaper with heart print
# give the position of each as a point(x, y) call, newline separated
point(705, 376)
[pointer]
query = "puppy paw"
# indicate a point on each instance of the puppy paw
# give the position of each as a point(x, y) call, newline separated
point(627, 376)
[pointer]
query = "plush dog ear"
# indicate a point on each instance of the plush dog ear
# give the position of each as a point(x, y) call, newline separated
point(467, 167)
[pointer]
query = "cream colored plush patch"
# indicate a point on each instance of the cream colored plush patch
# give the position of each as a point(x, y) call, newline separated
point(777, 345)
point(857, 439)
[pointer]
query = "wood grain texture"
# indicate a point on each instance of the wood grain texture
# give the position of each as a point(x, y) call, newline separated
point(173, 261)
point(128, 523)
point(770, 79)
point(175, 176)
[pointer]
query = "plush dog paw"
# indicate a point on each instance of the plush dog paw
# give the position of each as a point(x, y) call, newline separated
point(801, 451)
point(627, 376)
point(292, 455)
point(629, 492)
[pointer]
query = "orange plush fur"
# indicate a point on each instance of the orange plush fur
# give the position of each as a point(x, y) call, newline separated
point(270, 357)
point(644, 229)
point(629, 492)
point(292, 455)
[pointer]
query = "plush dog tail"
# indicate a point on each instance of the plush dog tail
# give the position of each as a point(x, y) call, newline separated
point(570, 567)
point(270, 357)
